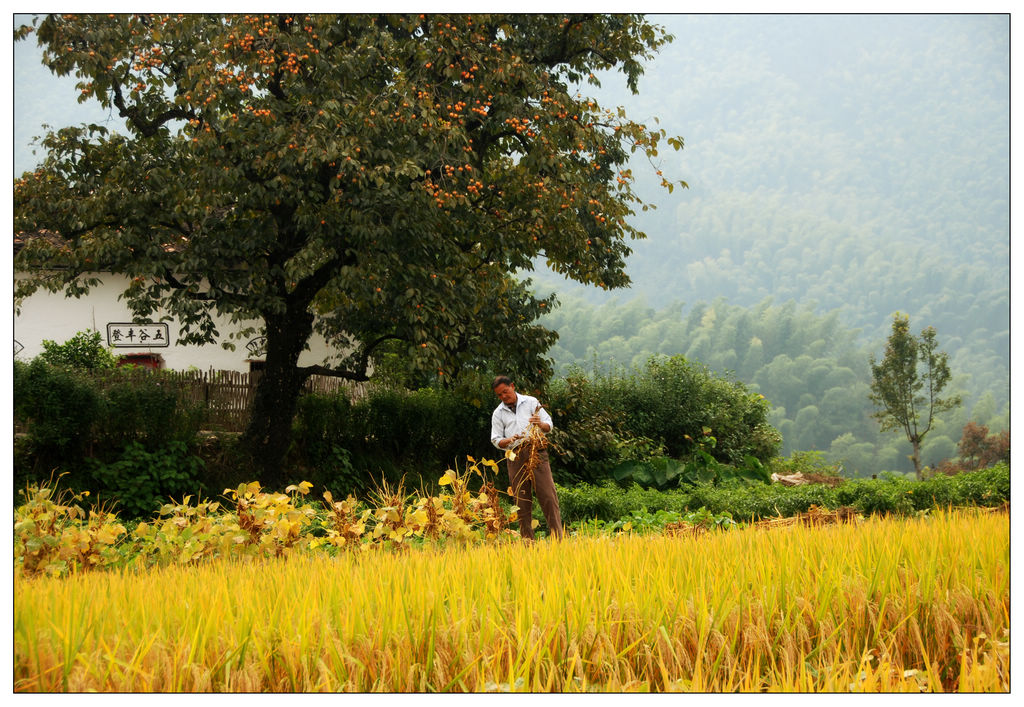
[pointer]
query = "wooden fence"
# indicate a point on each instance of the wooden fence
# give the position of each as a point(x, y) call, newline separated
point(226, 396)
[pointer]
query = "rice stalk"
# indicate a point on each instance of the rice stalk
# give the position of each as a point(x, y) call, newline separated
point(919, 605)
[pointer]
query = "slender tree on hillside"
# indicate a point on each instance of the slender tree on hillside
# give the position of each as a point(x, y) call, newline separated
point(372, 178)
point(907, 382)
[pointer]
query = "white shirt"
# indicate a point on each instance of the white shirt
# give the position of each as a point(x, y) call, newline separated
point(505, 423)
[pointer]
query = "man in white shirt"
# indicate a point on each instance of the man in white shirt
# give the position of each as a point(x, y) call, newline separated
point(509, 424)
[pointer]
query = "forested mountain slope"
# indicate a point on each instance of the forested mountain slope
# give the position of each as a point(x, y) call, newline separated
point(853, 166)
point(809, 367)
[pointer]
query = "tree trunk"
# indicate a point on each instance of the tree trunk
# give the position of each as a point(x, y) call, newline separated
point(268, 434)
point(916, 458)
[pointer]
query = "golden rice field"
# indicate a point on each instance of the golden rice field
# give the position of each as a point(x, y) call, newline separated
point(881, 605)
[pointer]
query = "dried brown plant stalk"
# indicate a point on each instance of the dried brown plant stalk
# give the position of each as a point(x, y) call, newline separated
point(534, 441)
point(814, 516)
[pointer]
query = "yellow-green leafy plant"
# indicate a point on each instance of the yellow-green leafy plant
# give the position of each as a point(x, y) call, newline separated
point(345, 523)
point(495, 519)
point(433, 516)
point(271, 522)
point(186, 533)
point(394, 519)
point(458, 494)
point(481, 510)
point(37, 524)
point(94, 543)
point(51, 538)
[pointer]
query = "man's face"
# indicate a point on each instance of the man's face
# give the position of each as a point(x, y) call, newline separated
point(506, 393)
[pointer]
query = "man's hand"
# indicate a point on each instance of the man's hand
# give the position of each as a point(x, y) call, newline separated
point(535, 419)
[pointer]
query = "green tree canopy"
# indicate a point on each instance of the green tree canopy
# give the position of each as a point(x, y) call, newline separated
point(907, 382)
point(373, 178)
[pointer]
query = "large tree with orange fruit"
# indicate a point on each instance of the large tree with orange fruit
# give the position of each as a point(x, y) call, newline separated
point(374, 178)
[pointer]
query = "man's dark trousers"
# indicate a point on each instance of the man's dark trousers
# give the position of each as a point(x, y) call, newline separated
point(523, 490)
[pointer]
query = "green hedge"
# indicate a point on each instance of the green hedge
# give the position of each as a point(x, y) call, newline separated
point(664, 408)
point(899, 496)
point(126, 436)
point(112, 429)
point(68, 411)
point(145, 407)
point(60, 408)
point(129, 434)
point(349, 447)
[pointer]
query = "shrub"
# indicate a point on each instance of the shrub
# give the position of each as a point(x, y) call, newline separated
point(586, 436)
point(757, 503)
point(897, 496)
point(59, 407)
point(607, 501)
point(882, 497)
point(322, 429)
point(670, 404)
point(352, 446)
point(644, 521)
point(979, 449)
point(144, 406)
point(84, 351)
point(807, 463)
point(140, 481)
point(985, 487)
point(78, 420)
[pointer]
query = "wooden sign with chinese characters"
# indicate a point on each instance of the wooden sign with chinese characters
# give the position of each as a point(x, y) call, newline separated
point(128, 335)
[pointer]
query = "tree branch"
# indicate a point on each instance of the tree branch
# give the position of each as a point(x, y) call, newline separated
point(359, 375)
point(147, 128)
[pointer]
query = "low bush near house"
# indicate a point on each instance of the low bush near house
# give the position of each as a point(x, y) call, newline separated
point(83, 351)
point(60, 409)
point(140, 481)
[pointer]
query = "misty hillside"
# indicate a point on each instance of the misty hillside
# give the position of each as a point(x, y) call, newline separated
point(856, 165)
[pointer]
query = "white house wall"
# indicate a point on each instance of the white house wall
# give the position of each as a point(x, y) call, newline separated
point(55, 317)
